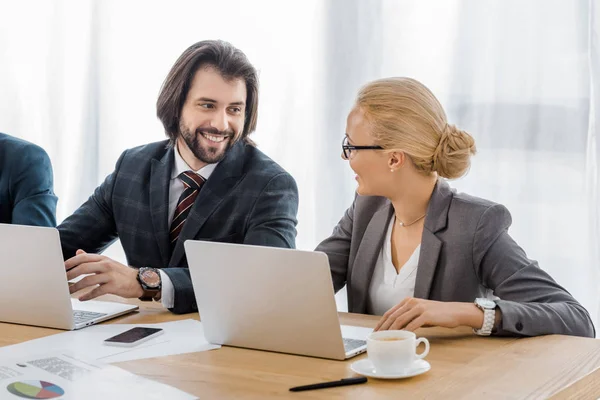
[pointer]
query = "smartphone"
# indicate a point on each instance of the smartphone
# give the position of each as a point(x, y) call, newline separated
point(133, 337)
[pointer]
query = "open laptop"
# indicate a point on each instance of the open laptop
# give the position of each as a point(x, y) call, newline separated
point(33, 283)
point(270, 299)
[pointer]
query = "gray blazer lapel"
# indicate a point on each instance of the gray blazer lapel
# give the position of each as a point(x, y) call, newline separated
point(224, 178)
point(160, 176)
point(366, 258)
point(428, 258)
point(436, 220)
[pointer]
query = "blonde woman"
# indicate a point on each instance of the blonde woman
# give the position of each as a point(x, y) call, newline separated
point(416, 252)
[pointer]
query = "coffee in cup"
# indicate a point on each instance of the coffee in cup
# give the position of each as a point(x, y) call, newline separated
point(394, 351)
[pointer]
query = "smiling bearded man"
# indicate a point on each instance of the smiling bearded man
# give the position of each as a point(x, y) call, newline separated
point(207, 182)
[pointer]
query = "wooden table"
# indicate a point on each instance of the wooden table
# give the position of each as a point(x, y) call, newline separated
point(463, 366)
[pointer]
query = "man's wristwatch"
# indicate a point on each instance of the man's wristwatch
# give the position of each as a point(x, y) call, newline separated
point(489, 316)
point(150, 280)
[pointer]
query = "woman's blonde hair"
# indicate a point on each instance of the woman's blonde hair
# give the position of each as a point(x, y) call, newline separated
point(406, 116)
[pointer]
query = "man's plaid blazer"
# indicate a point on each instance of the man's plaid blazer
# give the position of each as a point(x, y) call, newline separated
point(248, 199)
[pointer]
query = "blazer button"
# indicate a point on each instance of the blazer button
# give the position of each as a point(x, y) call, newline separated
point(519, 326)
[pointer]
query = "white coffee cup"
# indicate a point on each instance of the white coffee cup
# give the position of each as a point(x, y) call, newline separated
point(394, 351)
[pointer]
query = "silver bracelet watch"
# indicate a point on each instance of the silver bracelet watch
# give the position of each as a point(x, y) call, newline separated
point(489, 316)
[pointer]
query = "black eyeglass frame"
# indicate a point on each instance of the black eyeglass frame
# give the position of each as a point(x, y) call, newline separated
point(348, 148)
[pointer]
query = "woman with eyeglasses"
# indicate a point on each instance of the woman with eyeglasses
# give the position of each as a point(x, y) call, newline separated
point(418, 253)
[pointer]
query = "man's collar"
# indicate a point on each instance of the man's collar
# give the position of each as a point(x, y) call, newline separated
point(181, 166)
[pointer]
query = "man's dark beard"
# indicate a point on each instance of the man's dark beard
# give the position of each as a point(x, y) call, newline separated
point(208, 155)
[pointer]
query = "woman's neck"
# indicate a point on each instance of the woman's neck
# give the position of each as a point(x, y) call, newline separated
point(411, 201)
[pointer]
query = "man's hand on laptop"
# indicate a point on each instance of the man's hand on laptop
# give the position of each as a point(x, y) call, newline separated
point(111, 276)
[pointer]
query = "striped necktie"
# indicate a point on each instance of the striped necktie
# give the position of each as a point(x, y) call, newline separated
point(192, 183)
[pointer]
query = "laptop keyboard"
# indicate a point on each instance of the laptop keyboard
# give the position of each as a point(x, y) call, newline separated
point(85, 316)
point(352, 344)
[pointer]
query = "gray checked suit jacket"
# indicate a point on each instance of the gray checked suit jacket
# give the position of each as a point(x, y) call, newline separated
point(248, 199)
point(465, 250)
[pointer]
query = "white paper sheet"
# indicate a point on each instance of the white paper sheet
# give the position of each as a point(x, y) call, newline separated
point(68, 376)
point(185, 336)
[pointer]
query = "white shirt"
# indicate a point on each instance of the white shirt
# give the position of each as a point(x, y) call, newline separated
point(389, 287)
point(175, 189)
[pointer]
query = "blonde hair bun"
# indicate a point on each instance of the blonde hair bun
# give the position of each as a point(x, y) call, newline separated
point(452, 157)
point(407, 116)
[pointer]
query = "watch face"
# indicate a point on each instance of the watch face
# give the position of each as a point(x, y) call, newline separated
point(150, 278)
point(486, 303)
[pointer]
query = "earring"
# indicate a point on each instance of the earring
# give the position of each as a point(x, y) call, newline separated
point(392, 170)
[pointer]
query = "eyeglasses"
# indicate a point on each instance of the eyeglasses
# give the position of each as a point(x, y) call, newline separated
point(348, 149)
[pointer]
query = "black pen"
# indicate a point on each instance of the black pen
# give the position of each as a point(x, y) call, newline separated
point(342, 382)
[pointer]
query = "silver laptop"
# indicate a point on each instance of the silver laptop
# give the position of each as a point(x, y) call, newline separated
point(270, 299)
point(33, 283)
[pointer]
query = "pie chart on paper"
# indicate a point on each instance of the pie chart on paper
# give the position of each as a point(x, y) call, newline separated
point(35, 390)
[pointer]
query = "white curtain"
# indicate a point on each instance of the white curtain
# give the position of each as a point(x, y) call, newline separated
point(81, 78)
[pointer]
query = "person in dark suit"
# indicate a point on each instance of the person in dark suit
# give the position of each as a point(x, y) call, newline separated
point(26, 184)
point(207, 182)
point(416, 252)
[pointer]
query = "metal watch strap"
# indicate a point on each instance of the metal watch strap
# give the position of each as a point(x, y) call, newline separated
point(489, 318)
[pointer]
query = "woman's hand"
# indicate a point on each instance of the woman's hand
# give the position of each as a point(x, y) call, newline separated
point(411, 314)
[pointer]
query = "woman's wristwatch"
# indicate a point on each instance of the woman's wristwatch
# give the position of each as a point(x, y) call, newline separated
point(489, 316)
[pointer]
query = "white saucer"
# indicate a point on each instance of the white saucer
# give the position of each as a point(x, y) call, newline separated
point(365, 367)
